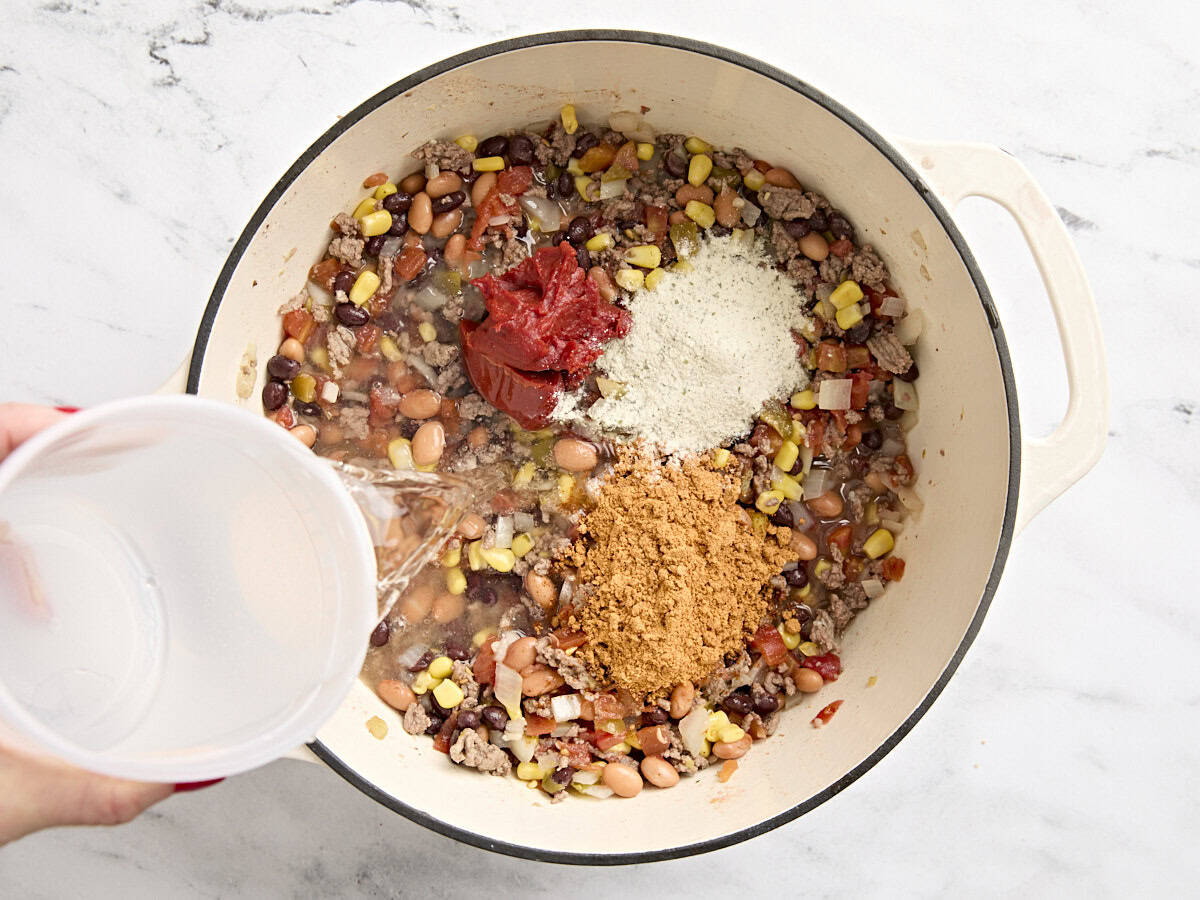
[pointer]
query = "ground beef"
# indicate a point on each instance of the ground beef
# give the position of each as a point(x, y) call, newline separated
point(473, 407)
point(416, 720)
point(844, 605)
point(462, 675)
point(512, 251)
point(721, 684)
point(833, 577)
point(561, 146)
point(761, 479)
point(451, 377)
point(439, 355)
point(296, 302)
point(648, 191)
point(445, 155)
point(678, 756)
point(622, 209)
point(783, 245)
point(670, 142)
point(537, 706)
point(890, 353)
point(386, 273)
point(823, 633)
point(833, 269)
point(779, 683)
point(474, 752)
point(542, 151)
point(804, 273)
point(867, 268)
point(785, 203)
point(340, 342)
point(348, 249)
point(354, 421)
point(571, 669)
point(857, 498)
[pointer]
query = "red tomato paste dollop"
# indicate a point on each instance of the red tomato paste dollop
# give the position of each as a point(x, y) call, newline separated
point(546, 325)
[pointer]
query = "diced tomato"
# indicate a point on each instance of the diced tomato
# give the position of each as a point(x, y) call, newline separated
point(283, 416)
point(656, 221)
point(539, 725)
point(876, 298)
point(578, 754)
point(607, 706)
point(513, 182)
point(505, 502)
point(857, 356)
point(323, 273)
point(384, 399)
point(299, 324)
point(626, 158)
point(838, 417)
point(852, 568)
point(828, 666)
point(606, 741)
point(587, 709)
point(484, 666)
point(860, 389)
point(893, 568)
point(441, 742)
point(822, 718)
point(769, 643)
point(831, 356)
point(409, 263)
point(564, 639)
point(815, 432)
point(903, 469)
point(841, 537)
point(853, 437)
point(841, 248)
point(367, 337)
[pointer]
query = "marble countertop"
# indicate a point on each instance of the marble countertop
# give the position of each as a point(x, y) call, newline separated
point(137, 138)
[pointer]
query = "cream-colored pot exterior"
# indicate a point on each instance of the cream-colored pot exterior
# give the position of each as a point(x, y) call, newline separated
point(966, 447)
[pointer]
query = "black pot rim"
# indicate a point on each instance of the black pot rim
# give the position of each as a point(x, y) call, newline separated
point(757, 66)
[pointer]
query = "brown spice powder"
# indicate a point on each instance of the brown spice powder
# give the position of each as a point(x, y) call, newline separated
point(674, 575)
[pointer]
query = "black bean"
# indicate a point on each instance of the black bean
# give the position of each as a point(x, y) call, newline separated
point(675, 164)
point(911, 375)
point(797, 228)
point(564, 185)
point(579, 230)
point(818, 221)
point(274, 395)
point(583, 258)
point(797, 577)
point(408, 428)
point(563, 776)
point(520, 150)
point(892, 412)
point(720, 231)
point(840, 225)
point(279, 366)
point(468, 718)
point(423, 663)
point(375, 381)
point(803, 614)
point(496, 145)
point(374, 245)
point(872, 440)
point(782, 517)
point(349, 314)
point(737, 703)
point(653, 716)
point(437, 708)
point(388, 320)
point(398, 202)
point(584, 143)
point(309, 409)
point(457, 651)
point(479, 591)
point(399, 225)
point(447, 202)
point(765, 704)
point(521, 228)
point(859, 333)
point(435, 725)
point(343, 281)
point(381, 634)
point(494, 717)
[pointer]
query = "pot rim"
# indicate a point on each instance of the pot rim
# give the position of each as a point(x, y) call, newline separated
point(940, 212)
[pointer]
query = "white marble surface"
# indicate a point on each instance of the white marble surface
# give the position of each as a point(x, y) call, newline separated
point(137, 137)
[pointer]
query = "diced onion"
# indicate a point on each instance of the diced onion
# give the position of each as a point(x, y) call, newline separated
point(750, 214)
point(421, 366)
point(801, 517)
point(566, 707)
point(910, 327)
point(806, 458)
point(835, 394)
point(498, 220)
point(410, 655)
point(562, 729)
point(893, 306)
point(355, 397)
point(873, 587)
point(909, 498)
point(691, 730)
point(817, 483)
point(522, 521)
point(891, 447)
point(610, 190)
point(909, 420)
point(585, 777)
point(895, 526)
point(749, 676)
point(599, 791)
point(631, 124)
point(905, 395)
point(508, 689)
point(504, 532)
point(545, 213)
point(429, 297)
point(523, 745)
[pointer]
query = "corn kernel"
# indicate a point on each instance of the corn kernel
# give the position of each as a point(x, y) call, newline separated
point(304, 387)
point(879, 543)
point(872, 681)
point(384, 190)
point(468, 142)
point(822, 566)
point(808, 648)
point(573, 167)
point(788, 486)
point(700, 213)
point(787, 455)
point(716, 721)
point(524, 474)
point(696, 145)
point(645, 151)
point(366, 207)
point(768, 501)
point(570, 122)
point(566, 487)
point(475, 558)
point(452, 557)
point(456, 581)
point(601, 241)
point(622, 747)
point(389, 350)
point(427, 331)
point(803, 592)
point(849, 317)
point(441, 667)
point(631, 739)
point(730, 733)
point(654, 277)
point(399, 453)
point(586, 188)
point(799, 432)
point(804, 399)
point(530, 771)
point(754, 179)
point(699, 168)
point(482, 635)
point(720, 458)
point(365, 285)
point(319, 357)
point(499, 558)
point(448, 694)
point(488, 164)
point(424, 682)
point(645, 255)
point(630, 279)
point(521, 544)
point(871, 513)
point(845, 294)
point(791, 641)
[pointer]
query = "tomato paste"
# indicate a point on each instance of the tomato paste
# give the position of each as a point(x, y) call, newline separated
point(546, 325)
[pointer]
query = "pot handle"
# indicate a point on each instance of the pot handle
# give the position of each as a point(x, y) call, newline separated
point(1048, 465)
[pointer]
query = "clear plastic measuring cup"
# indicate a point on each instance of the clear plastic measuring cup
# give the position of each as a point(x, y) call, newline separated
point(186, 591)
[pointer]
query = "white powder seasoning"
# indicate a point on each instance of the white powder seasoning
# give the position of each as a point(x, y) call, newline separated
point(706, 349)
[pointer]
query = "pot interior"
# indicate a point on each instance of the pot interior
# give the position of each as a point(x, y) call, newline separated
point(961, 447)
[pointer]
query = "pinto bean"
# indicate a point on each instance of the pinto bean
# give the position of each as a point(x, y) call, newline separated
point(396, 694)
point(538, 679)
point(482, 187)
point(420, 214)
point(471, 526)
point(541, 589)
point(803, 546)
point(724, 206)
point(442, 184)
point(447, 607)
point(690, 192)
point(732, 749)
point(659, 772)
point(422, 404)
point(624, 780)
point(681, 699)
point(781, 178)
point(828, 505)
point(812, 245)
point(522, 654)
point(444, 224)
point(410, 184)
point(428, 443)
point(575, 455)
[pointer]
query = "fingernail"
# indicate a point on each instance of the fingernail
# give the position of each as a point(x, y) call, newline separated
point(67, 409)
point(183, 786)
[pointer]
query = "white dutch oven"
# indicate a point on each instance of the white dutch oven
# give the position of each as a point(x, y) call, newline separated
point(979, 480)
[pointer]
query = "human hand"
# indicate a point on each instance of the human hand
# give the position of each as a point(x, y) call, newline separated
point(36, 792)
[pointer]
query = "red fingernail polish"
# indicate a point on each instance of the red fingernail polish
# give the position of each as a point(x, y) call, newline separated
point(67, 409)
point(196, 785)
